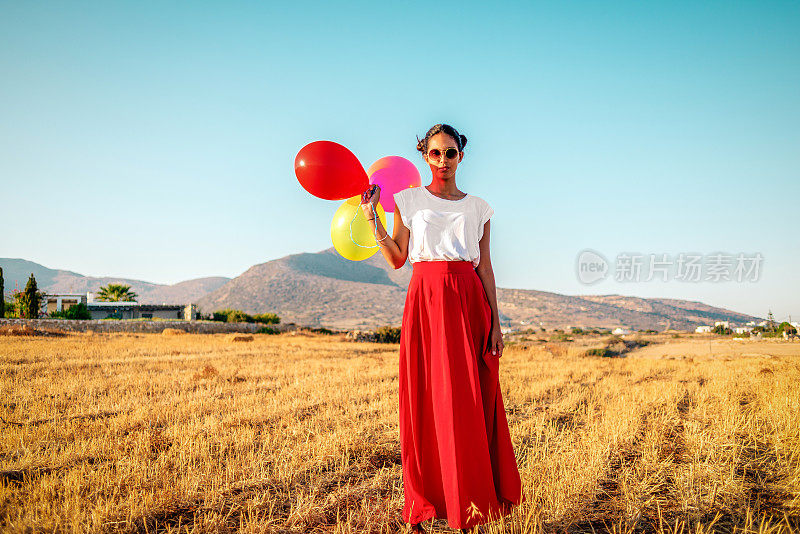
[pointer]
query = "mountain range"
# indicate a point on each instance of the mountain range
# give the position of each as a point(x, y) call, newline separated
point(323, 289)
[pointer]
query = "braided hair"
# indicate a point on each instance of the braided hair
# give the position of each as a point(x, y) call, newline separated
point(461, 141)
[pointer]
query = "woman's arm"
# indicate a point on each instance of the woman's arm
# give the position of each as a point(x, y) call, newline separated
point(395, 248)
point(486, 274)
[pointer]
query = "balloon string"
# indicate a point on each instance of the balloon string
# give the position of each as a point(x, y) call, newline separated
point(376, 245)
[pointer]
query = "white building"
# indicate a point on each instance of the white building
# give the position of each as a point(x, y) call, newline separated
point(724, 324)
point(743, 329)
point(703, 330)
point(620, 331)
point(120, 310)
point(134, 310)
point(62, 302)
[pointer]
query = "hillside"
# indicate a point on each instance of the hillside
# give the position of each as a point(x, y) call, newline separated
point(324, 289)
point(16, 272)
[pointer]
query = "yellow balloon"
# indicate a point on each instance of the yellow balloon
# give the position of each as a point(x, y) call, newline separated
point(353, 237)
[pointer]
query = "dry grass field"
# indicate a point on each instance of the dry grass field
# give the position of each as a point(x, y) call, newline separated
point(298, 434)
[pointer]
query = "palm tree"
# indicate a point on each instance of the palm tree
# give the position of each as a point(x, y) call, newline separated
point(116, 293)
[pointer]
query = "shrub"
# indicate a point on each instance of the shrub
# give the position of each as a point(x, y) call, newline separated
point(232, 316)
point(267, 330)
point(266, 318)
point(616, 346)
point(322, 330)
point(10, 309)
point(577, 330)
point(238, 316)
point(604, 352)
point(787, 327)
point(388, 334)
point(720, 329)
point(560, 337)
point(76, 312)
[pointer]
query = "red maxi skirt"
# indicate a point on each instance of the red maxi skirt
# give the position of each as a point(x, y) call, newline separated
point(455, 448)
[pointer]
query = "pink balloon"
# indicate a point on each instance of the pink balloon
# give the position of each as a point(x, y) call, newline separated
point(393, 174)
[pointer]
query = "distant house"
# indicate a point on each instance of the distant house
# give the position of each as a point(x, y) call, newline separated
point(134, 310)
point(62, 301)
point(703, 329)
point(743, 329)
point(620, 331)
point(724, 324)
point(120, 310)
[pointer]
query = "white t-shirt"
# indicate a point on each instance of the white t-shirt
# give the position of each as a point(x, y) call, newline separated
point(442, 230)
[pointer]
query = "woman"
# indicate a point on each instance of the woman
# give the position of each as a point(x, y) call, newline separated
point(456, 452)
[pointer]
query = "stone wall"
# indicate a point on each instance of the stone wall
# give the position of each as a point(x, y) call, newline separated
point(361, 335)
point(99, 325)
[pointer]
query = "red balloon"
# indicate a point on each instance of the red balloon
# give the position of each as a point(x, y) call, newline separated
point(330, 171)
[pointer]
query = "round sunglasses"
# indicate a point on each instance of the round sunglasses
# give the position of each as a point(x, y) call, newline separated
point(435, 153)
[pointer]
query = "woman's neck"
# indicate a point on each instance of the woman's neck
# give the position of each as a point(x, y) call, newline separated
point(445, 188)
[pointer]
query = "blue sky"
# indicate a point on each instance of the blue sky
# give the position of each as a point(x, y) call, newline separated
point(157, 141)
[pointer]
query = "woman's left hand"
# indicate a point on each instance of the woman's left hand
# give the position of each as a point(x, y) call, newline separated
point(496, 341)
point(369, 199)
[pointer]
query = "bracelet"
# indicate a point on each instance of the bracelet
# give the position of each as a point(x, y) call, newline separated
point(376, 226)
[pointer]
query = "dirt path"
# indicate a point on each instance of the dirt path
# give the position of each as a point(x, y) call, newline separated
point(718, 349)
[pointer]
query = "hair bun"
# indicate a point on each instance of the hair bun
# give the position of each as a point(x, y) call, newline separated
point(461, 140)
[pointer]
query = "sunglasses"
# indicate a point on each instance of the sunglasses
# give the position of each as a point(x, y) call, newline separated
point(435, 153)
